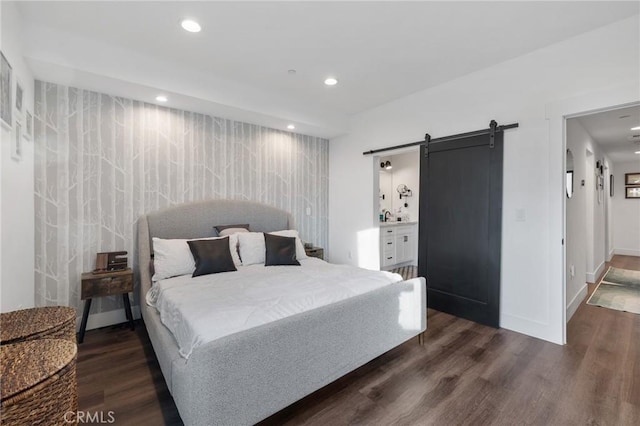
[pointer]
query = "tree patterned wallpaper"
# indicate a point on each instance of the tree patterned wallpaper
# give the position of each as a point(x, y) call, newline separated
point(102, 161)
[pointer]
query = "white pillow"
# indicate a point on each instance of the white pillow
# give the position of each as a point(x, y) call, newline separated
point(173, 257)
point(252, 248)
point(231, 231)
point(300, 253)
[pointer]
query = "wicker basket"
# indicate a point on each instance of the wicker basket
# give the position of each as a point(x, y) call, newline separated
point(51, 322)
point(38, 383)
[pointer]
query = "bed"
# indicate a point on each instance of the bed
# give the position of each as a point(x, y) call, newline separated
point(244, 377)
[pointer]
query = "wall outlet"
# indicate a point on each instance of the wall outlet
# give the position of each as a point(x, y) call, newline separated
point(308, 211)
point(572, 271)
point(521, 215)
point(349, 254)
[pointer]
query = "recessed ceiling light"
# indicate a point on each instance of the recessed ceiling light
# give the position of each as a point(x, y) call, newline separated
point(191, 26)
point(291, 71)
point(635, 128)
point(291, 127)
point(161, 98)
point(331, 81)
point(637, 152)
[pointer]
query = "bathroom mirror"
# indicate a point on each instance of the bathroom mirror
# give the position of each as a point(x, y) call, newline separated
point(569, 177)
point(385, 193)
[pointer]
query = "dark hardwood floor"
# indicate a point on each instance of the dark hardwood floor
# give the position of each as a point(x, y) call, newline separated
point(465, 374)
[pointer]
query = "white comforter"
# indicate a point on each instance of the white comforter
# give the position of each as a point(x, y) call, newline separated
point(202, 309)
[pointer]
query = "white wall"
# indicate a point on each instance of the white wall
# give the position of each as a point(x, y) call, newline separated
point(16, 188)
point(585, 216)
point(625, 213)
point(521, 90)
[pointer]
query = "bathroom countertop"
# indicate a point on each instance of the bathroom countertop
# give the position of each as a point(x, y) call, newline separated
point(396, 223)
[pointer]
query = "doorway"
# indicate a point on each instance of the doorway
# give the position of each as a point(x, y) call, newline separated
point(600, 147)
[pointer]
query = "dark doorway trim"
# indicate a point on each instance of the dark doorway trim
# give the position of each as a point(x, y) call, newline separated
point(427, 139)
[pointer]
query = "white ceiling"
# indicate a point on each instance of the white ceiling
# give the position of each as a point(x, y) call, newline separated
point(612, 131)
point(379, 51)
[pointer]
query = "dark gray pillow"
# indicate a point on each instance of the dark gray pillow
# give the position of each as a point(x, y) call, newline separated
point(280, 250)
point(211, 256)
point(220, 228)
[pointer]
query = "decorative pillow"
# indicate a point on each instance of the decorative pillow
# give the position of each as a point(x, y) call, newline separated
point(251, 247)
point(280, 250)
point(220, 228)
point(211, 256)
point(300, 253)
point(230, 231)
point(173, 257)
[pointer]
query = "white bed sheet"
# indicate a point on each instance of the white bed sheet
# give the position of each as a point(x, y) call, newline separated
point(202, 309)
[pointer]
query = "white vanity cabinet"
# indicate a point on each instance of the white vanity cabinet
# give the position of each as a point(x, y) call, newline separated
point(397, 244)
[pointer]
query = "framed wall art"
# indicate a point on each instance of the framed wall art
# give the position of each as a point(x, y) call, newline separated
point(632, 192)
point(6, 90)
point(28, 125)
point(19, 93)
point(16, 148)
point(632, 178)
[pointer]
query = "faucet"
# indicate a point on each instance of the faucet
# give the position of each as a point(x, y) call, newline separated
point(386, 218)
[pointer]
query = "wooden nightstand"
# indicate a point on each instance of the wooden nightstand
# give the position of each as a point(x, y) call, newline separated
point(315, 252)
point(105, 284)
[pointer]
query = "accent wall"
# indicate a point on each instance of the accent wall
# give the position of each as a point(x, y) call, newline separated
point(102, 161)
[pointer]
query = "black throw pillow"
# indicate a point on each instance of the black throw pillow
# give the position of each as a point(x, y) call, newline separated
point(211, 256)
point(280, 250)
point(220, 228)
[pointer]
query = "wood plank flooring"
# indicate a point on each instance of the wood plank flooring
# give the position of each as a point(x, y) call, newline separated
point(465, 374)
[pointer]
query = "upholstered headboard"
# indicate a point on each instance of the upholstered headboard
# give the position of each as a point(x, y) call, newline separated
point(197, 220)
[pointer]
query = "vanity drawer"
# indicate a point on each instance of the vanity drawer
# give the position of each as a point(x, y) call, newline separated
point(388, 259)
point(387, 231)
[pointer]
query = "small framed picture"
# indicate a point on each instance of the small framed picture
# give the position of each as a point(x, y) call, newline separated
point(19, 93)
point(6, 91)
point(632, 178)
point(16, 149)
point(632, 192)
point(28, 124)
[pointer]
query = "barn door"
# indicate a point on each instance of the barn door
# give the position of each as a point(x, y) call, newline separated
point(461, 226)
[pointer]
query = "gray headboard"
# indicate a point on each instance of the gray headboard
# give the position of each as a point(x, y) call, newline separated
point(196, 220)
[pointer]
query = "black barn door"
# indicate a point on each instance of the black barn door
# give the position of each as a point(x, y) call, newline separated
point(461, 226)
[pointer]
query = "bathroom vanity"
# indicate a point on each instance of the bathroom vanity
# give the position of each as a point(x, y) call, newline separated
point(398, 244)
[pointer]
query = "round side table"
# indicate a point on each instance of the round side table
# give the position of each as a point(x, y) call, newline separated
point(38, 382)
point(51, 322)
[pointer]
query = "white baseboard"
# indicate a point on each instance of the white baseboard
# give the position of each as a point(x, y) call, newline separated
point(611, 253)
point(572, 307)
point(105, 319)
point(627, 252)
point(592, 277)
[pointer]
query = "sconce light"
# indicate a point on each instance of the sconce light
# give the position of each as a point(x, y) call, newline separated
point(386, 165)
